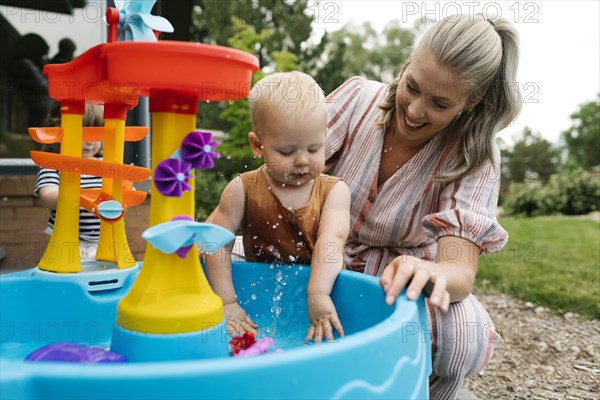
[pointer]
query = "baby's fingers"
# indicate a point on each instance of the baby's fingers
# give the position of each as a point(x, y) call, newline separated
point(328, 330)
point(337, 325)
point(318, 333)
point(251, 323)
point(310, 335)
point(234, 328)
point(247, 327)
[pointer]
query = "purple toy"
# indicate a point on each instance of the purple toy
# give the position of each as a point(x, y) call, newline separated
point(198, 150)
point(75, 352)
point(171, 177)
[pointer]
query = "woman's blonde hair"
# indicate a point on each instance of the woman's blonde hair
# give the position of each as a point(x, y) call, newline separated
point(285, 94)
point(485, 55)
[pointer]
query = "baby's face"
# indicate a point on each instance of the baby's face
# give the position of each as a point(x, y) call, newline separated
point(294, 149)
point(90, 149)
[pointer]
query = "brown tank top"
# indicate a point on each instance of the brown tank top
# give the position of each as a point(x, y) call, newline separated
point(270, 231)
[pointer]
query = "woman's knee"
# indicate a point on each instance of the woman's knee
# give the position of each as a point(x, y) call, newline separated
point(466, 338)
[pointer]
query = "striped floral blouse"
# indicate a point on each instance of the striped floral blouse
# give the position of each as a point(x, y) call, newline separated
point(409, 212)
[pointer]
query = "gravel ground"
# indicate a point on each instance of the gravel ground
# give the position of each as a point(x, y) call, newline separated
point(542, 356)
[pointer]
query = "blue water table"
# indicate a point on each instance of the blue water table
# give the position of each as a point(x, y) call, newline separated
point(117, 328)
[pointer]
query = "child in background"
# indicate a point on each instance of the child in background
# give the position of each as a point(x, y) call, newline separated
point(46, 185)
point(288, 210)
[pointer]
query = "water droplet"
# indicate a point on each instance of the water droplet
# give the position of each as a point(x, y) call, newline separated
point(291, 258)
point(276, 311)
point(279, 216)
point(275, 226)
point(300, 244)
point(253, 297)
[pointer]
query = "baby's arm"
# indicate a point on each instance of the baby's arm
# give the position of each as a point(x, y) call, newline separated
point(327, 262)
point(228, 214)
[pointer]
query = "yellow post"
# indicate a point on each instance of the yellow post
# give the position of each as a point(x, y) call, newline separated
point(113, 245)
point(171, 294)
point(62, 252)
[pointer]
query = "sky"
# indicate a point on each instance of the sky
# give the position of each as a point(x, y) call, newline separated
point(560, 44)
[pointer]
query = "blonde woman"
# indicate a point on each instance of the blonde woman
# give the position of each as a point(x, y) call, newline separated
point(420, 158)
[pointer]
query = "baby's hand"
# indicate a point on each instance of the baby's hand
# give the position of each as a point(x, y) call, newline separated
point(238, 322)
point(323, 318)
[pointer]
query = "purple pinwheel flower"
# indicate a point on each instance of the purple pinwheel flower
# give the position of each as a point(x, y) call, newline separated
point(171, 177)
point(198, 150)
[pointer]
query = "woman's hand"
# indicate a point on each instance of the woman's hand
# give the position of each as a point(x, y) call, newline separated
point(416, 273)
point(238, 322)
point(323, 318)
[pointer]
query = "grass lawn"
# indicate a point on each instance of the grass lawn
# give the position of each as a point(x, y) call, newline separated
point(553, 262)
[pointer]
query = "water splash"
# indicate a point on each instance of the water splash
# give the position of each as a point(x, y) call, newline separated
point(280, 280)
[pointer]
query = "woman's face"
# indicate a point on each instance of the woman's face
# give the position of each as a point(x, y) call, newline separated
point(428, 98)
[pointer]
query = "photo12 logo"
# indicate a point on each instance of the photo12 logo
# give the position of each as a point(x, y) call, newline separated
point(93, 12)
point(54, 332)
point(517, 11)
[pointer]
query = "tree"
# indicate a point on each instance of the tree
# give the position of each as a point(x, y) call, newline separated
point(238, 154)
point(583, 137)
point(326, 63)
point(531, 158)
point(288, 22)
point(359, 50)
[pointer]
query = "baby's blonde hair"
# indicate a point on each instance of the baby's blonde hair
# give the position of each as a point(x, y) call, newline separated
point(285, 94)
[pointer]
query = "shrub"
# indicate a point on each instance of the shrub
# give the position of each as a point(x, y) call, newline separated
point(209, 186)
point(572, 192)
point(523, 199)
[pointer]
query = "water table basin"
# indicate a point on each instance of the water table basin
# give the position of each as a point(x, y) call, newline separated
point(385, 354)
